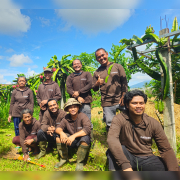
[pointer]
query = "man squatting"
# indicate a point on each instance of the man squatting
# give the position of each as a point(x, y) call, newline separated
point(130, 139)
point(112, 92)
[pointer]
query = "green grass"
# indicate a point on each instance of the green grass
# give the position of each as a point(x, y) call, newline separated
point(96, 160)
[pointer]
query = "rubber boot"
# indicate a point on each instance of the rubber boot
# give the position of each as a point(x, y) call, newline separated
point(81, 154)
point(63, 152)
point(42, 146)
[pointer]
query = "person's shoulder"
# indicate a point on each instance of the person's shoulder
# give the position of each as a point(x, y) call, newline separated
point(21, 124)
point(150, 120)
point(82, 115)
point(62, 112)
point(46, 113)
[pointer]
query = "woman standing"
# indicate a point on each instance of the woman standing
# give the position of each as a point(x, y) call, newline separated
point(21, 98)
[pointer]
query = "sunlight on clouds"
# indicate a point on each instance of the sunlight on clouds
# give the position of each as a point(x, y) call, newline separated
point(2, 80)
point(30, 73)
point(19, 60)
point(97, 4)
point(11, 19)
point(94, 20)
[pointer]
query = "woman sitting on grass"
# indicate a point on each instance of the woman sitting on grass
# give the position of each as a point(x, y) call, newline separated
point(22, 98)
point(28, 133)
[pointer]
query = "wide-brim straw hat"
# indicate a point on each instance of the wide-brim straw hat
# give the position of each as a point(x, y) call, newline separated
point(70, 102)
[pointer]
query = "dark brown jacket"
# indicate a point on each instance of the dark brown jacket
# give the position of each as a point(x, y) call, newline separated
point(49, 119)
point(81, 123)
point(112, 90)
point(138, 140)
point(47, 91)
point(81, 83)
point(21, 100)
point(28, 130)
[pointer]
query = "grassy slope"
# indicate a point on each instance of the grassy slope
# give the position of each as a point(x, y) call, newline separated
point(96, 160)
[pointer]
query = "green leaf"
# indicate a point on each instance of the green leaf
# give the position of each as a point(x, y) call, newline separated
point(54, 74)
point(120, 49)
point(151, 36)
point(64, 71)
point(174, 25)
point(137, 39)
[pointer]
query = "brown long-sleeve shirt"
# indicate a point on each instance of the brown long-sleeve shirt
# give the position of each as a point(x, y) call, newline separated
point(112, 90)
point(21, 100)
point(81, 123)
point(49, 119)
point(28, 130)
point(138, 140)
point(47, 91)
point(82, 83)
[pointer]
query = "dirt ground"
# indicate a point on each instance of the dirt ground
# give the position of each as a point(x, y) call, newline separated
point(150, 110)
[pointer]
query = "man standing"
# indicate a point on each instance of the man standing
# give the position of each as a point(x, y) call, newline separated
point(79, 86)
point(48, 89)
point(51, 119)
point(74, 131)
point(112, 91)
point(130, 139)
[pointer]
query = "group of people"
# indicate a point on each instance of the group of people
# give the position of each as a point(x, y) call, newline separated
point(130, 133)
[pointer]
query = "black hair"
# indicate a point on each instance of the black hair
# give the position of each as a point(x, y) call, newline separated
point(25, 111)
point(136, 92)
point(100, 49)
point(21, 77)
point(51, 99)
point(77, 59)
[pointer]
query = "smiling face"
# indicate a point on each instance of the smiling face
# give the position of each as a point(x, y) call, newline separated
point(77, 65)
point(21, 82)
point(53, 106)
point(73, 109)
point(48, 75)
point(102, 57)
point(136, 106)
point(27, 118)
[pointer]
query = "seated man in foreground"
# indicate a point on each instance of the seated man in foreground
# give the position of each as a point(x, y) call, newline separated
point(27, 133)
point(130, 139)
point(51, 119)
point(74, 131)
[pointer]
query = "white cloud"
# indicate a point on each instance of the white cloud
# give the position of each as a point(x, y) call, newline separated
point(19, 60)
point(9, 82)
point(44, 21)
point(139, 77)
point(8, 4)
point(2, 80)
point(94, 20)
point(97, 4)
point(30, 73)
point(1, 57)
point(10, 50)
point(12, 21)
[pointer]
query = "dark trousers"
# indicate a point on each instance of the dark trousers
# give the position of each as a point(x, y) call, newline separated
point(43, 136)
point(143, 163)
point(16, 121)
point(77, 141)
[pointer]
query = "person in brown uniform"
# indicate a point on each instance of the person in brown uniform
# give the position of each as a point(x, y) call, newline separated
point(74, 131)
point(27, 133)
point(21, 98)
point(112, 92)
point(48, 89)
point(130, 139)
point(51, 119)
point(79, 86)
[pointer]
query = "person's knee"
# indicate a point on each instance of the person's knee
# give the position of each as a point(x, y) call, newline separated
point(58, 140)
point(84, 143)
point(16, 140)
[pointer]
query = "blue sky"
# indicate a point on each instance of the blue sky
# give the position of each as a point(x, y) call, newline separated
point(32, 31)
